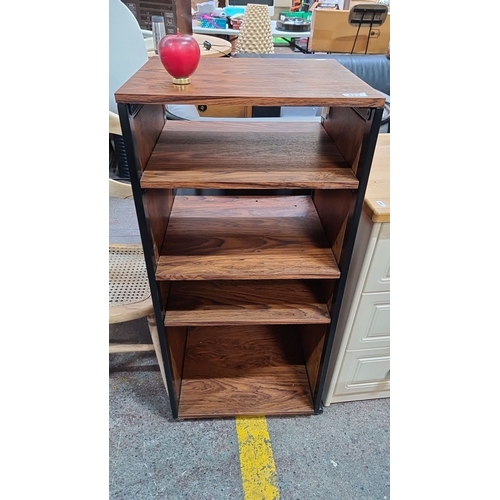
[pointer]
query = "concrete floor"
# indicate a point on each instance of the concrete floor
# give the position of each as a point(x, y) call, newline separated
point(342, 454)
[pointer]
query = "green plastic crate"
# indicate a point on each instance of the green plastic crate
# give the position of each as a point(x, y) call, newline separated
point(304, 15)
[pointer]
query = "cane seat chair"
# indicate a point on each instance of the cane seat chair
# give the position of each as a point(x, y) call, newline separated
point(129, 292)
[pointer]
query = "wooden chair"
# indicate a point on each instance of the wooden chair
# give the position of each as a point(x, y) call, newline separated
point(129, 293)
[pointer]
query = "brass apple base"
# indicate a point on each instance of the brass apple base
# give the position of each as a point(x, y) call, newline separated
point(181, 81)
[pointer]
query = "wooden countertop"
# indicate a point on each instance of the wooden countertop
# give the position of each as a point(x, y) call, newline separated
point(378, 197)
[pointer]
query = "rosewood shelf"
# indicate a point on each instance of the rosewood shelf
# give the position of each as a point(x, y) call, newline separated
point(244, 238)
point(244, 371)
point(251, 155)
point(265, 302)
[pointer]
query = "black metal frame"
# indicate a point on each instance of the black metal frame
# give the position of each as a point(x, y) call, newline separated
point(291, 42)
point(126, 113)
point(373, 115)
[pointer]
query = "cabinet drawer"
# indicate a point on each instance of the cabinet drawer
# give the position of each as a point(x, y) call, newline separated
point(371, 326)
point(364, 372)
point(378, 277)
point(225, 111)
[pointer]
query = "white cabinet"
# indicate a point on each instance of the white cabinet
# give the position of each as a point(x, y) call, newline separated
point(360, 367)
point(365, 375)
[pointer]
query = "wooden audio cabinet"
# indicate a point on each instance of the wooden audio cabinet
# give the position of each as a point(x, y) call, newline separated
point(247, 284)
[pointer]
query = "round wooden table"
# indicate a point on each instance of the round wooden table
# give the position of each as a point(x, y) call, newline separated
point(219, 46)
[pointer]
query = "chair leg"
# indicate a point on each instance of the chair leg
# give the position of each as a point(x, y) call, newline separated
point(119, 348)
point(156, 343)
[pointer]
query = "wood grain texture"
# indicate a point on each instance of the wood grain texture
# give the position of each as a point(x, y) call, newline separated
point(246, 302)
point(164, 289)
point(346, 129)
point(158, 204)
point(147, 125)
point(236, 370)
point(312, 339)
point(246, 155)
point(378, 189)
point(177, 337)
point(242, 238)
point(335, 209)
point(253, 81)
point(153, 330)
point(184, 16)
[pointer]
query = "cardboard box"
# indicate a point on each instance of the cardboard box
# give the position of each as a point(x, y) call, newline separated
point(347, 5)
point(278, 11)
point(331, 32)
point(279, 6)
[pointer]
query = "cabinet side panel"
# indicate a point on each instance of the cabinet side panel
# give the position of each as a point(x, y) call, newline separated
point(148, 123)
point(346, 127)
point(177, 337)
point(158, 205)
point(141, 127)
point(354, 131)
point(327, 287)
point(334, 207)
point(312, 338)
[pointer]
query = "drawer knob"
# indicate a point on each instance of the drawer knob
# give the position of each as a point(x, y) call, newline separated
point(202, 107)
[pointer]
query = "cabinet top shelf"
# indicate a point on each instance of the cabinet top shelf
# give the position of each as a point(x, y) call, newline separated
point(258, 82)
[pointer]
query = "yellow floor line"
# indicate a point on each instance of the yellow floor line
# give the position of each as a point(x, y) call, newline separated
point(258, 470)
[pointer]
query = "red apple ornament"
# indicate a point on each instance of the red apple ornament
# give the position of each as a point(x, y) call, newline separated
point(180, 55)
